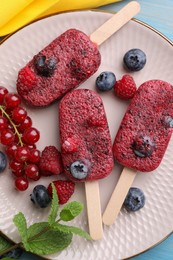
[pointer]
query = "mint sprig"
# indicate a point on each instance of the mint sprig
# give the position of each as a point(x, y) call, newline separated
point(51, 236)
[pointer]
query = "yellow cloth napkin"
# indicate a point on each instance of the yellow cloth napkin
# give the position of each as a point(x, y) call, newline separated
point(16, 13)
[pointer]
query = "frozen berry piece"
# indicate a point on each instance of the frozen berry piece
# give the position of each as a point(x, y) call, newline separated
point(134, 59)
point(168, 121)
point(50, 161)
point(80, 169)
point(143, 146)
point(64, 189)
point(40, 196)
point(44, 66)
point(3, 161)
point(125, 88)
point(70, 145)
point(105, 81)
point(26, 78)
point(134, 200)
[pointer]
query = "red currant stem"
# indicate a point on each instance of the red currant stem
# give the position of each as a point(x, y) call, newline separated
point(13, 124)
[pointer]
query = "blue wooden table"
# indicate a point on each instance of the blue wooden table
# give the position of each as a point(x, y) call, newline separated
point(158, 14)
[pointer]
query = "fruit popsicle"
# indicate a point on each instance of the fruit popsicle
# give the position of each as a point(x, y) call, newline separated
point(67, 61)
point(61, 66)
point(86, 147)
point(142, 138)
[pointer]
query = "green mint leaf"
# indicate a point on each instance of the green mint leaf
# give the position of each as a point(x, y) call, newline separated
point(54, 206)
point(36, 229)
point(73, 230)
point(43, 241)
point(71, 210)
point(20, 222)
point(4, 244)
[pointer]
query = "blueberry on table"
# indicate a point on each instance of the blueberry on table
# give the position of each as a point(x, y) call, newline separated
point(105, 81)
point(40, 196)
point(3, 161)
point(134, 200)
point(134, 59)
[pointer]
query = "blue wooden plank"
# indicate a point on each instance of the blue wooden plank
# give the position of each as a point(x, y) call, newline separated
point(157, 13)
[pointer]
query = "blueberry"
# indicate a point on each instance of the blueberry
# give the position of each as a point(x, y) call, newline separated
point(168, 121)
point(134, 200)
point(3, 161)
point(40, 196)
point(15, 253)
point(44, 66)
point(105, 81)
point(80, 169)
point(134, 59)
point(143, 146)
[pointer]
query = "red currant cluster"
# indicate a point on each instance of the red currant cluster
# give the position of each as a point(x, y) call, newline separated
point(19, 137)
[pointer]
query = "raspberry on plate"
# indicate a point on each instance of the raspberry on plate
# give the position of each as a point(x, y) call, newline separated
point(125, 88)
point(64, 189)
point(50, 161)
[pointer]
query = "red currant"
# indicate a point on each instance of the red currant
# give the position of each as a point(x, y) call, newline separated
point(21, 183)
point(27, 123)
point(3, 93)
point(18, 173)
point(32, 172)
point(10, 150)
point(31, 146)
point(31, 135)
point(16, 166)
point(34, 155)
point(3, 123)
point(7, 137)
point(19, 114)
point(12, 100)
point(22, 154)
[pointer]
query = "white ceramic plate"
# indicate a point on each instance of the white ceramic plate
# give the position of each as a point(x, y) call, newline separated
point(132, 233)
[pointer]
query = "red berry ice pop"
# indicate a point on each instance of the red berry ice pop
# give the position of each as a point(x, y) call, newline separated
point(142, 138)
point(86, 146)
point(67, 61)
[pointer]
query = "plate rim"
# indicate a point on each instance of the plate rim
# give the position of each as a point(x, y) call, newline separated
point(150, 27)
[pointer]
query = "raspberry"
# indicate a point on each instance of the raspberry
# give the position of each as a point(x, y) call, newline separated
point(125, 88)
point(50, 161)
point(26, 79)
point(64, 189)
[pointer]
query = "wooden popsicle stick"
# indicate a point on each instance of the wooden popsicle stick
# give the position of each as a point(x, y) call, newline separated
point(94, 209)
point(115, 22)
point(118, 196)
point(92, 188)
